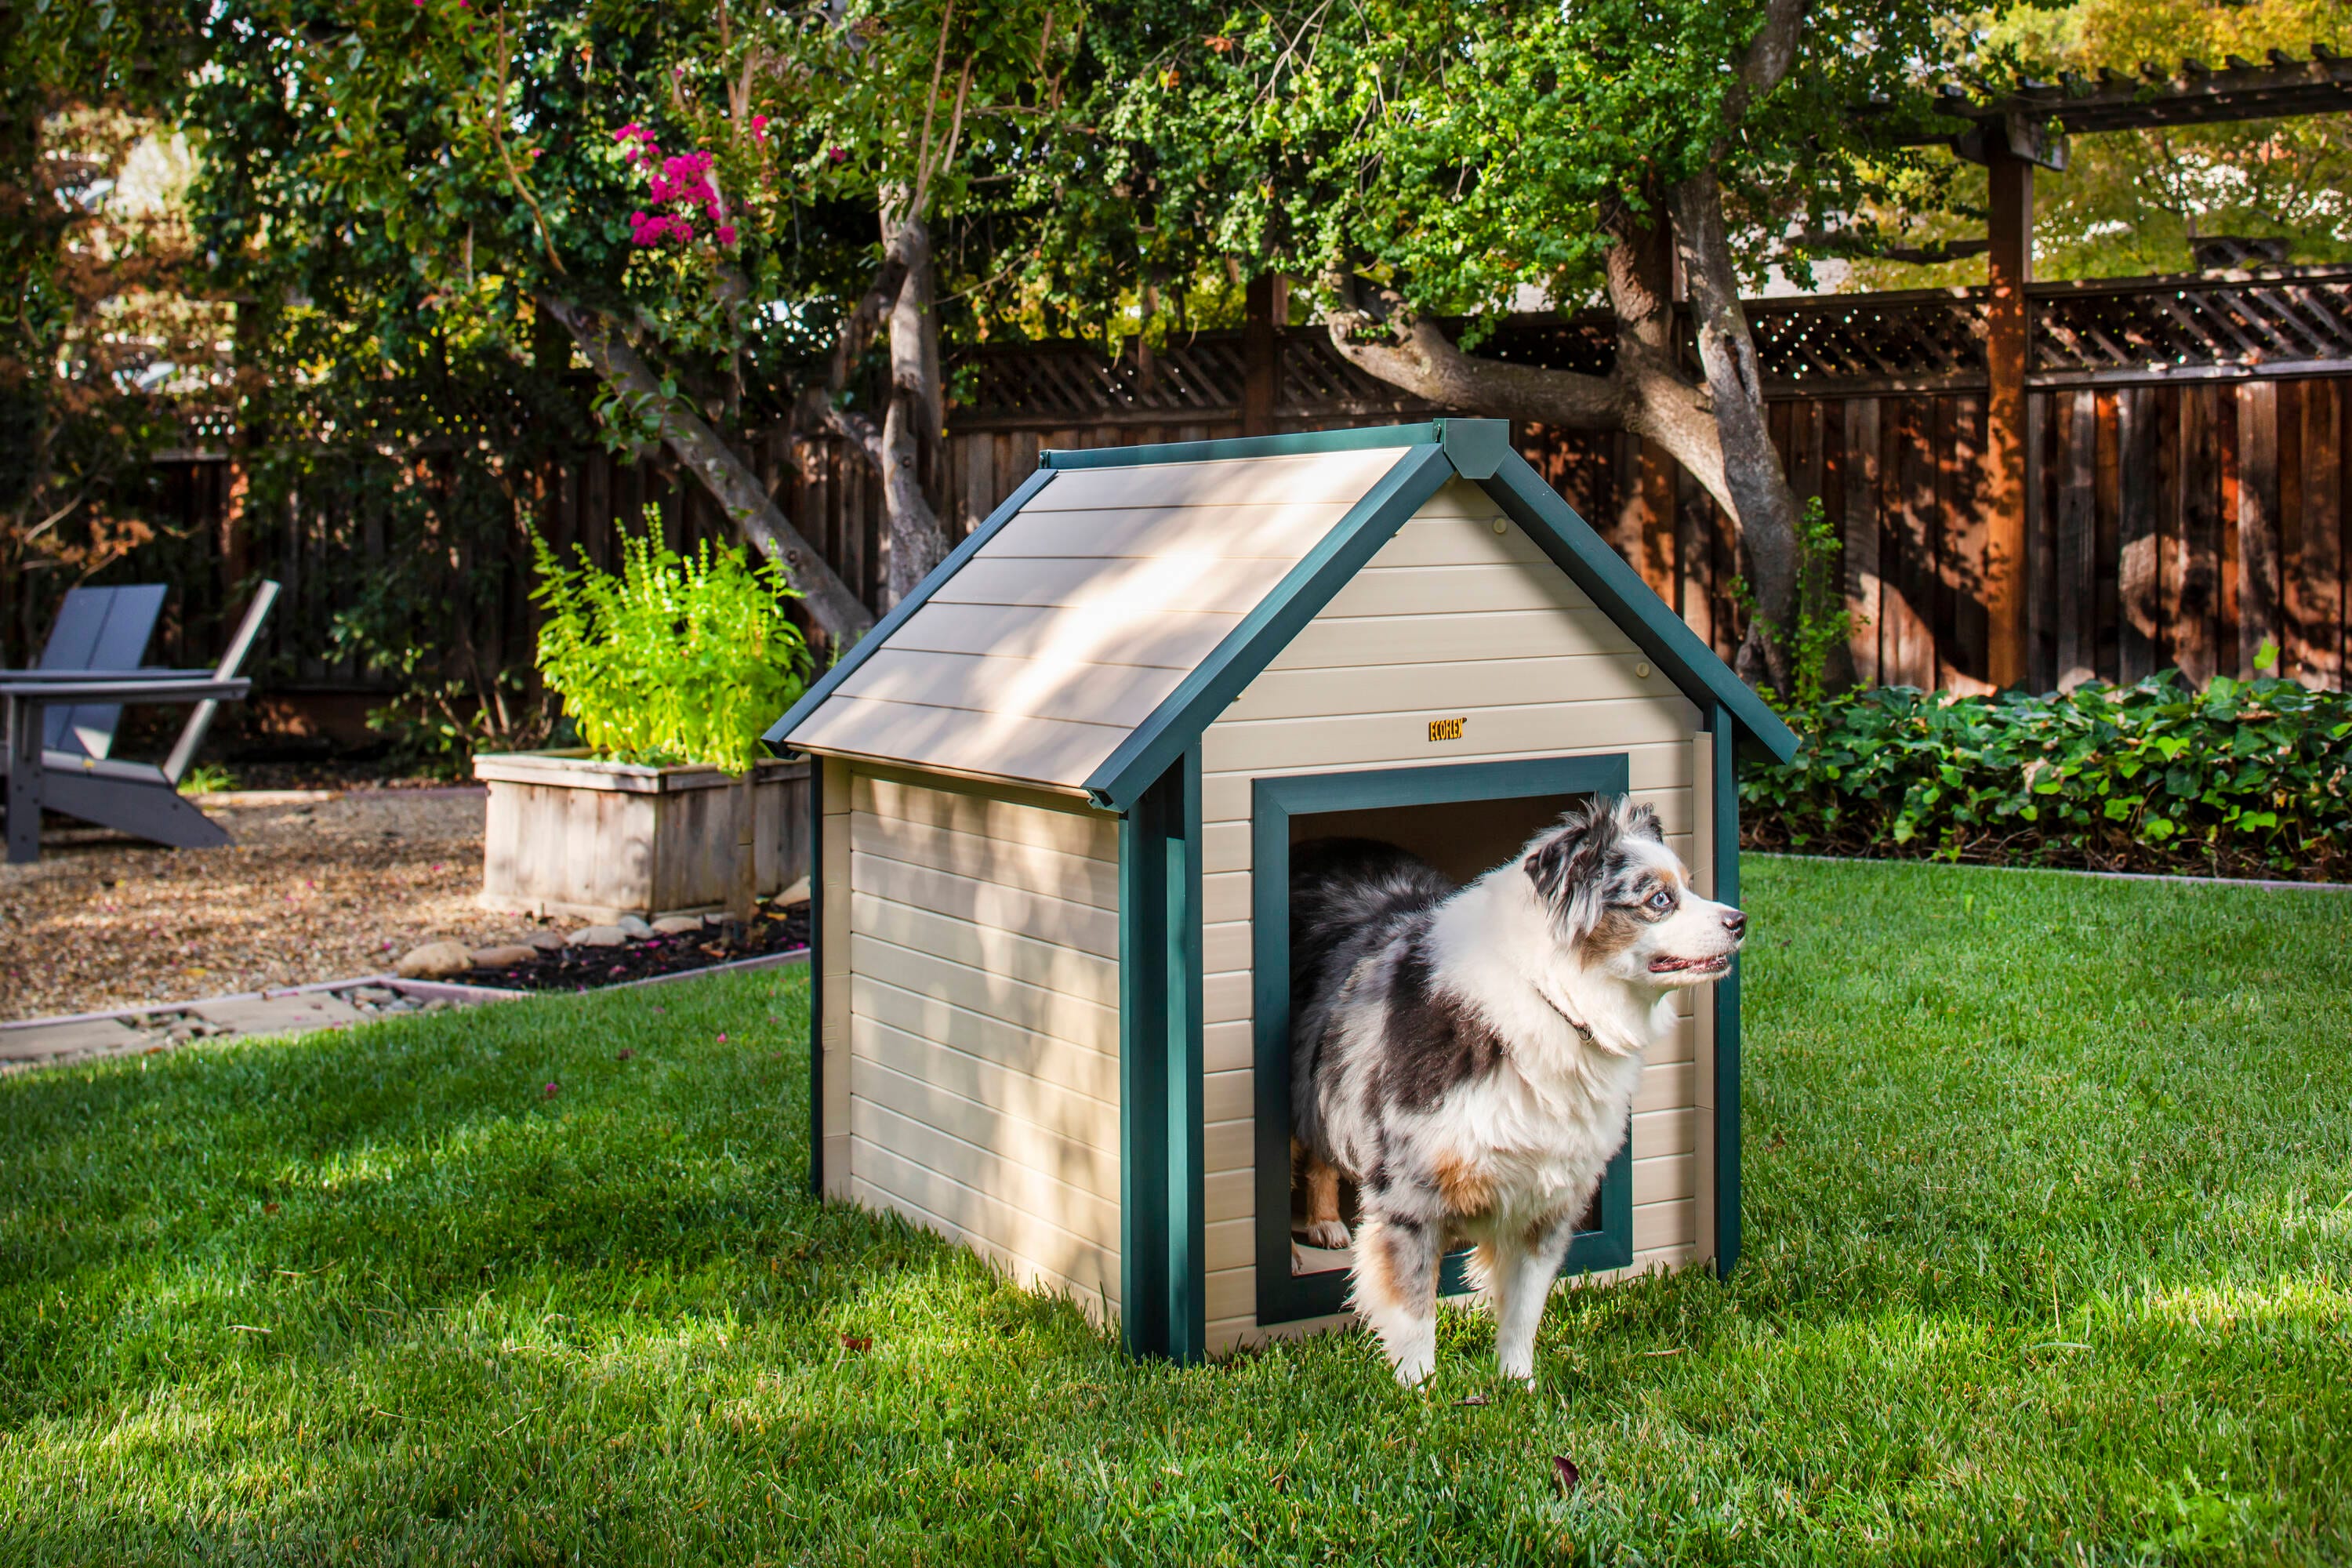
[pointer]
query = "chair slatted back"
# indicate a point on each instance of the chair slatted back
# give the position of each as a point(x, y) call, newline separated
point(97, 628)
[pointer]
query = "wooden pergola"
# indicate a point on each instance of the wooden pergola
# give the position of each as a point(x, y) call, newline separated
point(2014, 132)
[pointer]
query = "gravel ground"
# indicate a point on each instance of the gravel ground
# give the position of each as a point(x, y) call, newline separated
point(312, 890)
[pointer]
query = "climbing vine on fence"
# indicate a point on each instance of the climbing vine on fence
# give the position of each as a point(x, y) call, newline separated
point(2245, 778)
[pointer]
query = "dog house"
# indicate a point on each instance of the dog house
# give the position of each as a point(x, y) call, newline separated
point(1056, 795)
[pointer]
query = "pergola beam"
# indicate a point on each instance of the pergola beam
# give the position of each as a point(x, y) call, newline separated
point(2192, 94)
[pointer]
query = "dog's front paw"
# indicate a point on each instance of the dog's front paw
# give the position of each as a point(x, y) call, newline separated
point(1413, 1370)
point(1326, 1233)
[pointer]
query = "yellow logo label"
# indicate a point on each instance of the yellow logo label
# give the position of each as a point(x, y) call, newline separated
point(1447, 729)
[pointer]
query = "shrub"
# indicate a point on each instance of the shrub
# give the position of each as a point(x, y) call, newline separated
point(672, 660)
point(2243, 778)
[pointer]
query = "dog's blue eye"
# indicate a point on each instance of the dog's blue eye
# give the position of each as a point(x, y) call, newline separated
point(1662, 901)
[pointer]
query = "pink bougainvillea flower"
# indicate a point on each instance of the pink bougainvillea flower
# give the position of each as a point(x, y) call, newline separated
point(726, 234)
point(838, 154)
point(723, 1039)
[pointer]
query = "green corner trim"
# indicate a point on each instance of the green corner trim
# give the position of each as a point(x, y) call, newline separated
point(1162, 1229)
point(1283, 1297)
point(1188, 1281)
point(1726, 808)
point(1178, 723)
point(1144, 1110)
point(1616, 587)
point(1303, 443)
point(816, 976)
point(779, 734)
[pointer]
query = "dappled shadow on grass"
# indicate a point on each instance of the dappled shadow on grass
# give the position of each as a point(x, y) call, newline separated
point(411, 1168)
point(2042, 1248)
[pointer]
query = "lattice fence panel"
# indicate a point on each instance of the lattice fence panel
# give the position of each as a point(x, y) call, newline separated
point(2235, 322)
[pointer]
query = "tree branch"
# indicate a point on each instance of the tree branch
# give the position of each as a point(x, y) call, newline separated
point(736, 490)
point(1766, 60)
point(1383, 337)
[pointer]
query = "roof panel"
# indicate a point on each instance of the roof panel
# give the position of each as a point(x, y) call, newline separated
point(1045, 752)
point(1108, 636)
point(1285, 530)
point(1072, 621)
point(1226, 584)
point(1123, 695)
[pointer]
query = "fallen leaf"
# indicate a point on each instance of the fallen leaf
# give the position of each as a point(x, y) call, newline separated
point(1564, 1473)
point(269, 1209)
point(623, 1054)
point(1473, 1399)
point(856, 1345)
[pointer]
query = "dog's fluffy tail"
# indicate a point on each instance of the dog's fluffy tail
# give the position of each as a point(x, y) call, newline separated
point(1349, 899)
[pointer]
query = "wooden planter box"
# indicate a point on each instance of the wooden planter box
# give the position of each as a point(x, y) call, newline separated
point(569, 834)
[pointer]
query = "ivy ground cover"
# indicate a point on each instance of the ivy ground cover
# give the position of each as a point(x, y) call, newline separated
point(2049, 1203)
point(2249, 778)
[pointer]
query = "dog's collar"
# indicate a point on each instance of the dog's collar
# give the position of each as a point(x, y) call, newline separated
point(1584, 1031)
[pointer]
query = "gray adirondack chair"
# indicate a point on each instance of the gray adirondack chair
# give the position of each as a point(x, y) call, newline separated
point(72, 772)
point(96, 629)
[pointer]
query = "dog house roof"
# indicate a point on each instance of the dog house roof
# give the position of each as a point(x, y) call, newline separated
point(1088, 632)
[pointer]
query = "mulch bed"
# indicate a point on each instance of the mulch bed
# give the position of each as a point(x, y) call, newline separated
point(590, 968)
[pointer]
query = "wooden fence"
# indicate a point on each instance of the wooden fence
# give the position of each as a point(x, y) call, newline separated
point(2186, 495)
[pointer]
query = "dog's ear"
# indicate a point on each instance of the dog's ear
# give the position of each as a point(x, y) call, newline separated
point(1567, 865)
point(1637, 820)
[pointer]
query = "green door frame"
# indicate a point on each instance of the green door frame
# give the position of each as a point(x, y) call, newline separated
point(1282, 1297)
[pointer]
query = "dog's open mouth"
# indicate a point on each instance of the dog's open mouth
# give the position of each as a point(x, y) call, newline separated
point(1721, 960)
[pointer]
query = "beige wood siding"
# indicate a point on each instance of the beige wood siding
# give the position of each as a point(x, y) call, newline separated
point(1077, 619)
point(1449, 619)
point(979, 1030)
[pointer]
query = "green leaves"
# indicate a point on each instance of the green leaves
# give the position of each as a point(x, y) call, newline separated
point(673, 659)
point(2246, 776)
point(1464, 154)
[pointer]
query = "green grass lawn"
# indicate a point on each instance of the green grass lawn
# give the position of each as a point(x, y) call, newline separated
point(2048, 1259)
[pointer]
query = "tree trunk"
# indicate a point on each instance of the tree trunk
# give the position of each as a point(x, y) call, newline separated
point(1716, 430)
point(1761, 500)
point(912, 424)
point(736, 489)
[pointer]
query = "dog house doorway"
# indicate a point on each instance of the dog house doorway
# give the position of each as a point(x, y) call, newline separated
point(1465, 819)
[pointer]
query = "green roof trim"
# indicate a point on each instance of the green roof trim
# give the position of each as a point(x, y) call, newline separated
point(1303, 443)
point(1177, 723)
point(1429, 454)
point(778, 732)
point(1476, 447)
point(1620, 591)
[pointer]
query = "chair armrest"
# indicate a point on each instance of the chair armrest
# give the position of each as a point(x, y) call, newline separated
point(141, 691)
point(53, 676)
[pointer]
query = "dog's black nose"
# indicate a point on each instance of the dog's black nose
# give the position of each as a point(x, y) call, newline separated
point(1734, 922)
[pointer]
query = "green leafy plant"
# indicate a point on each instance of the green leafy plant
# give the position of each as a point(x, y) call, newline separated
point(207, 778)
point(2248, 777)
point(1821, 623)
point(672, 658)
